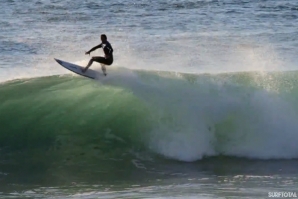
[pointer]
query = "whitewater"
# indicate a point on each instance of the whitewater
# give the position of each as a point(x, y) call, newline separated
point(201, 101)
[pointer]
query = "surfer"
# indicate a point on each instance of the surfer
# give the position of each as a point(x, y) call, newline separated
point(108, 51)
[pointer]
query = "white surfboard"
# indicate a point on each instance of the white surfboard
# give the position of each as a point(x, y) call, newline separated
point(78, 69)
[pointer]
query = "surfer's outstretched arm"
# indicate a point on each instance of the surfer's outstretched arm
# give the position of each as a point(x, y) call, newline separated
point(94, 48)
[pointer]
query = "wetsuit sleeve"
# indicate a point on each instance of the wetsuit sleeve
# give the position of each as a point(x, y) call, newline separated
point(94, 48)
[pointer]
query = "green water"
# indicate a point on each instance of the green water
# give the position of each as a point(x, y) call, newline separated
point(67, 135)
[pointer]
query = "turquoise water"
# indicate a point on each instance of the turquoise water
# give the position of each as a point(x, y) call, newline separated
point(201, 101)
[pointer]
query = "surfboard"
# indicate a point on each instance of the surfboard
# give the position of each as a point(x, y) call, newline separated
point(78, 69)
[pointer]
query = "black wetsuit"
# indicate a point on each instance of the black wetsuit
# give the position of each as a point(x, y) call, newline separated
point(108, 50)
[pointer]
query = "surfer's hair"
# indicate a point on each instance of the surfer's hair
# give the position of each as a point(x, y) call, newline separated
point(104, 36)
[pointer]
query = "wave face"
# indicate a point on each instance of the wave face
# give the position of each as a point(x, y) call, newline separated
point(130, 113)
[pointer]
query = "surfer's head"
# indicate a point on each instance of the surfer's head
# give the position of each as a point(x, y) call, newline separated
point(103, 38)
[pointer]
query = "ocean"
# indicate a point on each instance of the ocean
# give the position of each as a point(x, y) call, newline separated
point(200, 102)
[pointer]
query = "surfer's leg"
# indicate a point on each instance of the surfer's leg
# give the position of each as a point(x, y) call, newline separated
point(103, 61)
point(97, 59)
point(89, 64)
point(103, 68)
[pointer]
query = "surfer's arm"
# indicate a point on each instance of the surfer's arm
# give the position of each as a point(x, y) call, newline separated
point(94, 48)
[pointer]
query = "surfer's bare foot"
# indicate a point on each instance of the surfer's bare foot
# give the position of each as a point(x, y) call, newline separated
point(84, 70)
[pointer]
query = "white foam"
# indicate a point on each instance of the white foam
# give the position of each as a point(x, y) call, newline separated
point(191, 120)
